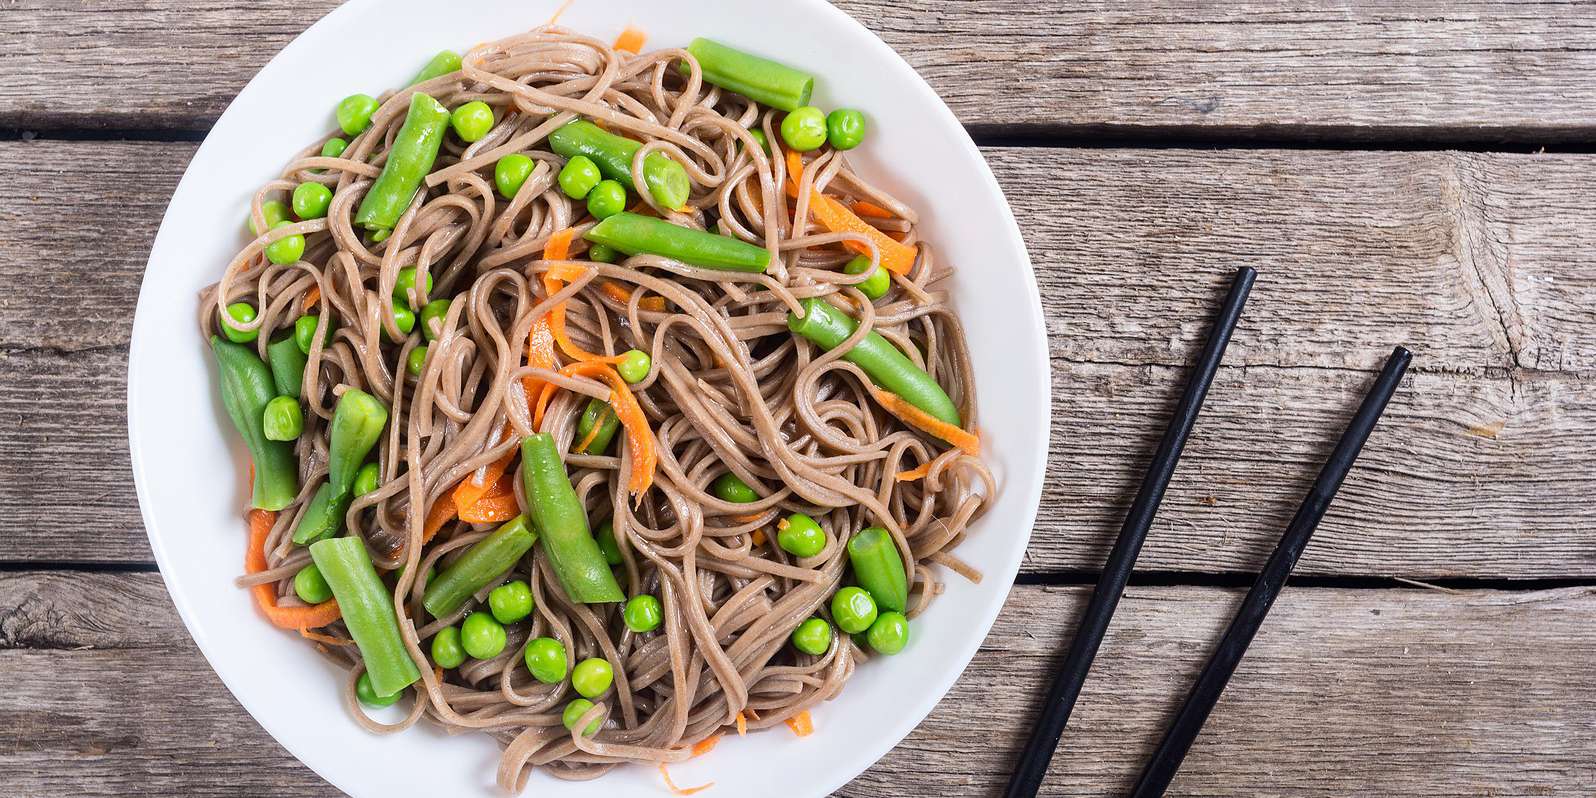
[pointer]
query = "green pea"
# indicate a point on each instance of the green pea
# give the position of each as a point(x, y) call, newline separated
point(282, 419)
point(574, 712)
point(606, 199)
point(579, 176)
point(403, 318)
point(274, 211)
point(545, 658)
point(875, 286)
point(334, 147)
point(853, 609)
point(759, 136)
point(890, 633)
point(602, 253)
point(728, 487)
point(354, 113)
point(367, 479)
point(311, 200)
point(482, 636)
point(800, 536)
point(379, 236)
point(634, 365)
point(812, 637)
point(472, 121)
point(510, 172)
point(310, 586)
point(286, 250)
point(405, 285)
point(607, 544)
point(416, 361)
point(511, 601)
point(305, 333)
point(591, 677)
point(242, 312)
point(446, 649)
point(643, 614)
point(432, 316)
point(845, 128)
point(804, 129)
point(369, 697)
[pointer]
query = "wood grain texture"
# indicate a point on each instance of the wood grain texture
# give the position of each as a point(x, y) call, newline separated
point(1394, 692)
point(1429, 70)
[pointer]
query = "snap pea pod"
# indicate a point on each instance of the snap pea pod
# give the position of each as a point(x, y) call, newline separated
point(288, 366)
point(667, 180)
point(414, 150)
point(598, 413)
point(633, 233)
point(443, 63)
point(323, 517)
point(828, 327)
point(368, 612)
point(759, 79)
point(879, 568)
point(246, 386)
point(357, 423)
point(484, 562)
point(561, 524)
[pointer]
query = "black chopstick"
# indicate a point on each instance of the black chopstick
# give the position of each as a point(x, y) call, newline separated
point(1211, 682)
point(1027, 777)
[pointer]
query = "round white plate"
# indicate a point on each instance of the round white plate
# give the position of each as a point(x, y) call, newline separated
point(188, 463)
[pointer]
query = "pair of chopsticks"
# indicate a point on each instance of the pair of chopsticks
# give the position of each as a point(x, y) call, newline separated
point(1166, 760)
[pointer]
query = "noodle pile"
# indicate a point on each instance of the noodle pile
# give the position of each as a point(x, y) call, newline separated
point(731, 389)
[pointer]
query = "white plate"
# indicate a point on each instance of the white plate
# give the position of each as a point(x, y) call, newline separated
point(188, 463)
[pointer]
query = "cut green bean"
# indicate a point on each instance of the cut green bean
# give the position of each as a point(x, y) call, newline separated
point(288, 366)
point(323, 517)
point(409, 161)
point(667, 180)
point(633, 233)
point(367, 609)
point(561, 522)
point(246, 388)
point(357, 423)
point(443, 63)
point(889, 368)
point(483, 563)
point(598, 413)
point(879, 568)
point(759, 79)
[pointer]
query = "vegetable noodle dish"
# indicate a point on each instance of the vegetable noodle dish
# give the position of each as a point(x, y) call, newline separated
point(594, 402)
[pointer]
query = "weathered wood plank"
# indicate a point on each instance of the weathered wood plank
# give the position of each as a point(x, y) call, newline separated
point(1431, 70)
point(1445, 674)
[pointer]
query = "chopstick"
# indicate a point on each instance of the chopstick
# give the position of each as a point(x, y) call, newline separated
point(1211, 682)
point(1027, 777)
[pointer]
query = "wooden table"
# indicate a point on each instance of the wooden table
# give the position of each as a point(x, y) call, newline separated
point(1419, 175)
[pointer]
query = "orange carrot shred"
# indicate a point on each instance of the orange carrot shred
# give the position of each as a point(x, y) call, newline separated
point(896, 256)
point(473, 488)
point(759, 537)
point(639, 436)
point(925, 422)
point(675, 790)
point(801, 724)
point(622, 294)
point(498, 504)
point(301, 618)
point(914, 473)
point(312, 297)
point(559, 248)
point(631, 40)
point(323, 638)
point(865, 208)
point(742, 725)
point(706, 745)
point(441, 512)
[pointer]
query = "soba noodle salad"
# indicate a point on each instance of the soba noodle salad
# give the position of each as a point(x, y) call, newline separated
point(594, 401)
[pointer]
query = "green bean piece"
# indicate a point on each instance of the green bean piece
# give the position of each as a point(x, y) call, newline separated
point(889, 634)
point(592, 676)
point(357, 423)
point(334, 147)
point(633, 233)
point(288, 366)
point(813, 637)
point(447, 652)
point(804, 129)
point(310, 586)
point(282, 420)
point(409, 160)
point(323, 517)
point(354, 113)
point(472, 121)
point(368, 612)
point(579, 176)
point(853, 610)
point(369, 696)
point(274, 211)
point(311, 200)
point(561, 523)
point(845, 128)
point(729, 487)
point(510, 173)
point(606, 199)
point(305, 332)
point(545, 658)
point(879, 568)
point(443, 63)
point(432, 317)
point(599, 253)
point(875, 286)
point(827, 327)
point(244, 313)
point(481, 636)
point(367, 479)
point(800, 536)
point(634, 366)
point(759, 79)
point(246, 387)
point(416, 361)
point(511, 601)
point(573, 715)
point(607, 544)
point(667, 181)
point(285, 250)
point(598, 413)
point(485, 562)
point(643, 614)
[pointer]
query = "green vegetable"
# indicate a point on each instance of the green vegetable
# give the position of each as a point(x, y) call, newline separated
point(599, 253)
point(482, 637)
point(853, 610)
point(597, 413)
point(607, 544)
point(813, 637)
point(804, 129)
point(875, 286)
point(759, 136)
point(606, 199)
point(274, 211)
point(285, 250)
point(323, 517)
point(305, 332)
point(510, 173)
point(561, 523)
point(354, 113)
point(845, 128)
point(242, 312)
point(573, 714)
point(446, 649)
point(643, 614)
point(334, 147)
point(366, 480)
point(311, 200)
point(591, 677)
point(368, 612)
point(759, 79)
point(729, 487)
point(634, 365)
point(404, 318)
point(632, 233)
point(579, 176)
point(487, 560)
point(357, 423)
point(443, 63)
point(416, 361)
point(246, 388)
point(369, 696)
point(889, 634)
point(828, 327)
point(511, 601)
point(667, 181)
point(879, 568)
point(404, 285)
point(472, 121)
point(432, 317)
point(288, 366)
point(545, 658)
point(800, 536)
point(310, 586)
point(409, 161)
point(281, 420)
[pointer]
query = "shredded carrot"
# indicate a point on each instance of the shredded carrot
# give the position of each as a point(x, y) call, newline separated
point(746, 517)
point(896, 256)
point(865, 208)
point(759, 537)
point(706, 745)
point(914, 473)
point(622, 294)
point(592, 435)
point(925, 422)
point(559, 248)
point(312, 297)
point(540, 343)
point(801, 724)
point(473, 488)
point(321, 638)
point(675, 790)
point(742, 725)
point(442, 511)
point(639, 436)
point(498, 504)
point(312, 617)
point(631, 40)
